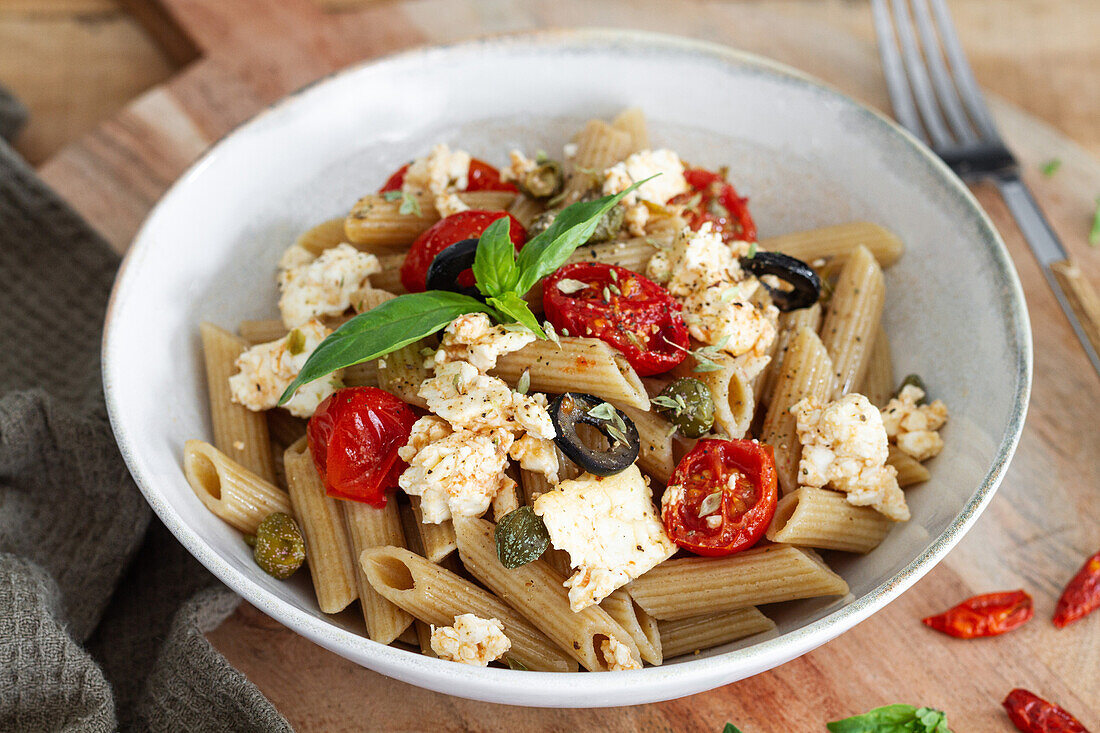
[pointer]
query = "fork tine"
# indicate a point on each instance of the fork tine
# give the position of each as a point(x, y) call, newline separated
point(964, 77)
point(918, 77)
point(945, 90)
point(901, 98)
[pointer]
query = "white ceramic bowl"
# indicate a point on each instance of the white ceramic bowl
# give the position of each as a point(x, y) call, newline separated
point(806, 155)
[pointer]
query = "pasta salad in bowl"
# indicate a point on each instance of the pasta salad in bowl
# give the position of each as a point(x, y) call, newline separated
point(531, 412)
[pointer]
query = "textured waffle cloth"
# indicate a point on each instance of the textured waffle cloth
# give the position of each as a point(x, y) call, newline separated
point(102, 612)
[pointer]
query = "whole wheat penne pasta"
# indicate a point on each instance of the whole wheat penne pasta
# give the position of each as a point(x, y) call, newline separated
point(731, 392)
point(261, 331)
point(789, 324)
point(537, 592)
point(640, 625)
point(533, 483)
point(323, 236)
point(284, 428)
point(369, 527)
point(438, 540)
point(525, 209)
point(695, 586)
point(807, 372)
point(321, 520)
point(852, 318)
point(577, 365)
point(368, 297)
point(231, 491)
point(401, 372)
point(836, 243)
point(435, 596)
point(389, 277)
point(632, 122)
point(824, 519)
point(655, 453)
point(375, 221)
point(363, 374)
point(412, 540)
point(910, 470)
point(599, 146)
point(239, 433)
point(703, 632)
point(878, 380)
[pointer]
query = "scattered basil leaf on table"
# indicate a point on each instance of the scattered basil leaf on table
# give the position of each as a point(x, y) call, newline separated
point(893, 719)
point(731, 728)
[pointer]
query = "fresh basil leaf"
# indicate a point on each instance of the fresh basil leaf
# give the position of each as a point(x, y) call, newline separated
point(893, 719)
point(383, 329)
point(494, 267)
point(548, 250)
point(516, 307)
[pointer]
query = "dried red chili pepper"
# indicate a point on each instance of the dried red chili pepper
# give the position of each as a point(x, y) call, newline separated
point(1081, 596)
point(1032, 714)
point(986, 615)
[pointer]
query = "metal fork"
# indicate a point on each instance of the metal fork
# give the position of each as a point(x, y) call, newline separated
point(944, 107)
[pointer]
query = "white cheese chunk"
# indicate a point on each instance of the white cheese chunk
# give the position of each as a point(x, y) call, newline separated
point(519, 166)
point(664, 164)
point(441, 173)
point(266, 370)
point(471, 640)
point(323, 286)
point(475, 339)
point(617, 655)
point(610, 529)
point(457, 474)
point(914, 428)
point(844, 446)
point(470, 400)
point(536, 454)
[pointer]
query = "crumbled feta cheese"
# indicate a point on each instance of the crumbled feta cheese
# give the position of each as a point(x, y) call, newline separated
point(739, 326)
point(635, 218)
point(472, 640)
point(700, 260)
point(914, 428)
point(536, 454)
point(664, 164)
point(617, 655)
point(266, 370)
point(440, 173)
point(457, 474)
point(475, 339)
point(295, 256)
point(324, 286)
point(470, 400)
point(610, 529)
point(425, 430)
point(844, 445)
point(519, 167)
point(448, 204)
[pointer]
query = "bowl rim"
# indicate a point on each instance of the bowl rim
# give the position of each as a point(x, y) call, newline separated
point(652, 683)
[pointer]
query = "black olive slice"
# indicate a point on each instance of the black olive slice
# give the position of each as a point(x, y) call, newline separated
point(449, 264)
point(574, 408)
point(801, 277)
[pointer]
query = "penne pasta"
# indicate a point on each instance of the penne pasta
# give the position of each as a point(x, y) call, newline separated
point(703, 632)
point(369, 297)
point(525, 209)
point(435, 595)
point(374, 220)
point(321, 520)
point(577, 365)
point(807, 372)
point(732, 393)
point(640, 625)
point(655, 453)
point(835, 244)
point(239, 433)
point(878, 381)
point(325, 235)
point(632, 121)
point(409, 524)
point(910, 470)
point(228, 489)
point(824, 519)
point(694, 586)
point(599, 146)
point(401, 372)
point(363, 374)
point(438, 540)
point(369, 527)
point(261, 331)
point(789, 325)
point(852, 318)
point(537, 592)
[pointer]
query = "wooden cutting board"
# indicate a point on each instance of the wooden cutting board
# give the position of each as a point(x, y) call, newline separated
point(1034, 535)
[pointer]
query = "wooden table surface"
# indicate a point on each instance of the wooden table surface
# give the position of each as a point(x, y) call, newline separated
point(1040, 56)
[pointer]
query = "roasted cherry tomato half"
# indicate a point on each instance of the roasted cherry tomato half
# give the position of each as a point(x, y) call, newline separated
point(354, 436)
point(479, 177)
point(714, 199)
point(721, 497)
point(628, 311)
point(444, 233)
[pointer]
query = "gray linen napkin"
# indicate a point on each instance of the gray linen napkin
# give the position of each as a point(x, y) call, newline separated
point(102, 612)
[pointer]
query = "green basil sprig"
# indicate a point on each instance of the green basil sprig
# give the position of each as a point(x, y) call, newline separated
point(502, 277)
point(893, 719)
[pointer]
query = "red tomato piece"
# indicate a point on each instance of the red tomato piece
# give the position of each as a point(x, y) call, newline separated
point(1082, 594)
point(480, 176)
point(740, 476)
point(354, 436)
point(628, 311)
point(1032, 714)
point(714, 199)
point(990, 614)
point(445, 232)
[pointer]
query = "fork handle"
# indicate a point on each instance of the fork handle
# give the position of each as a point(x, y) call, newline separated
point(1074, 292)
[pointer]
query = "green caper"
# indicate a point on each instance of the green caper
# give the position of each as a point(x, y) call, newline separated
point(688, 405)
point(916, 381)
point(279, 548)
point(544, 181)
